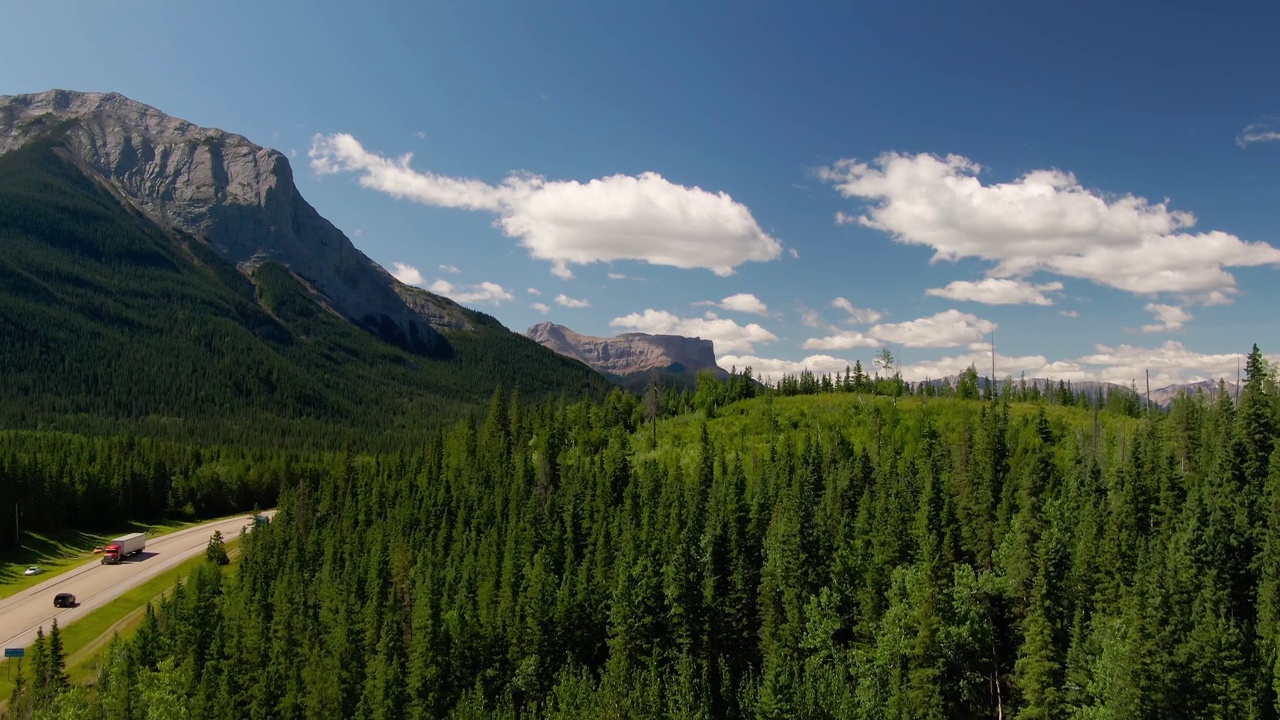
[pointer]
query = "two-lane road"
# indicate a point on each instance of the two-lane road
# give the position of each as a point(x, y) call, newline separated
point(95, 585)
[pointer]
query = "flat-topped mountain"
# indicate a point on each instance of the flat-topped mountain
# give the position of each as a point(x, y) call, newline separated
point(160, 274)
point(632, 356)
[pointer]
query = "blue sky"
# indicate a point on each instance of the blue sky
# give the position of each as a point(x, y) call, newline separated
point(1097, 183)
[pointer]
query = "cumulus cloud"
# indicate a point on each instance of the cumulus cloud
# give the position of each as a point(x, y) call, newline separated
point(534, 291)
point(407, 274)
point(1069, 313)
point(617, 276)
point(1265, 131)
point(856, 315)
point(727, 335)
point(1043, 221)
point(841, 340)
point(998, 291)
point(566, 301)
point(485, 292)
point(1168, 318)
point(541, 307)
point(1169, 363)
point(744, 303)
point(621, 217)
point(1006, 366)
point(950, 328)
point(794, 252)
point(451, 269)
point(810, 318)
point(773, 369)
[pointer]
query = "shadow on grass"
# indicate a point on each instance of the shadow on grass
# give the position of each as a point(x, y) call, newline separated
point(58, 550)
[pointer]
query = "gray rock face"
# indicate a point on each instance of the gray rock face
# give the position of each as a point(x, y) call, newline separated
point(214, 185)
point(629, 353)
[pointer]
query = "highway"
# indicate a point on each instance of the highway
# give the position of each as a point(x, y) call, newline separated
point(95, 585)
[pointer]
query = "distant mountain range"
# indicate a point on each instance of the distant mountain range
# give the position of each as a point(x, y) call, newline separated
point(1161, 397)
point(157, 272)
point(633, 359)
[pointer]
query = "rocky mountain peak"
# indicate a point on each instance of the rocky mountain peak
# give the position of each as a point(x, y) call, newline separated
point(222, 188)
point(630, 354)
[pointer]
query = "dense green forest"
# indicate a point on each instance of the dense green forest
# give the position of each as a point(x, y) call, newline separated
point(824, 555)
point(112, 325)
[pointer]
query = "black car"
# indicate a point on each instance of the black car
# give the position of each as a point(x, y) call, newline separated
point(64, 600)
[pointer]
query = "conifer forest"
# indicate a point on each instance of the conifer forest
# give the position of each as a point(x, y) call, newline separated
point(833, 547)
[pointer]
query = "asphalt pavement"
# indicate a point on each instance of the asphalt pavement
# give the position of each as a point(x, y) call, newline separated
point(95, 585)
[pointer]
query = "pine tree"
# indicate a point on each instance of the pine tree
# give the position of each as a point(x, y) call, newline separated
point(58, 679)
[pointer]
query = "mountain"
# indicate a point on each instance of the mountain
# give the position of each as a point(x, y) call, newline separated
point(217, 186)
point(633, 359)
point(171, 278)
point(1165, 396)
point(1160, 397)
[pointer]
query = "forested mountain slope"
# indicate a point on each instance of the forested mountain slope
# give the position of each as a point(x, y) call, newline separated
point(839, 555)
point(112, 323)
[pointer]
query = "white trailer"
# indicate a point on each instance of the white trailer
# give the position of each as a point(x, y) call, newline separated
point(122, 547)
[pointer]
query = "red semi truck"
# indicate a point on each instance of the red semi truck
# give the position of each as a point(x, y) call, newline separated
point(122, 547)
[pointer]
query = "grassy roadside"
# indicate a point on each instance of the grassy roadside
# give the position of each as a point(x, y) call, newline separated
point(57, 553)
point(86, 639)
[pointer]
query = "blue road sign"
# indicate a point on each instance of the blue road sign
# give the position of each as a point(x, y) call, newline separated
point(14, 652)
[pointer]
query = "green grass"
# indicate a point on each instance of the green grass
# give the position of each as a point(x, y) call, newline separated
point(86, 639)
point(57, 553)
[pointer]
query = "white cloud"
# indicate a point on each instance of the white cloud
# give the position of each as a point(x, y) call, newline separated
point(950, 328)
point(407, 274)
point(856, 315)
point(1168, 318)
point(485, 292)
point(620, 217)
point(569, 302)
point(727, 335)
point(1266, 131)
point(1043, 221)
point(810, 318)
point(617, 276)
point(841, 340)
point(794, 252)
point(773, 369)
point(358, 232)
point(452, 269)
point(541, 307)
point(534, 291)
point(1217, 297)
point(1169, 363)
point(1006, 366)
point(1069, 313)
point(997, 291)
point(420, 135)
point(744, 303)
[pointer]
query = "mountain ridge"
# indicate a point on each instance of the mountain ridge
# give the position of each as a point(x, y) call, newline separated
point(236, 195)
point(113, 319)
point(1161, 397)
point(633, 358)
